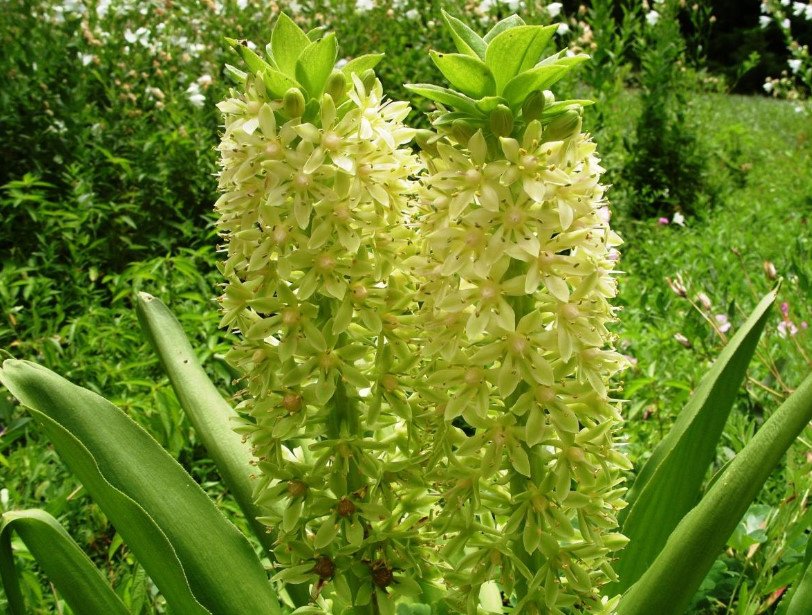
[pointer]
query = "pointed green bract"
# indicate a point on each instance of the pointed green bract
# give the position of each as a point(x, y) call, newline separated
point(670, 582)
point(466, 40)
point(79, 582)
point(198, 560)
point(287, 43)
point(469, 75)
point(316, 63)
point(539, 78)
point(362, 63)
point(254, 63)
point(277, 83)
point(445, 96)
point(515, 50)
point(513, 21)
point(676, 469)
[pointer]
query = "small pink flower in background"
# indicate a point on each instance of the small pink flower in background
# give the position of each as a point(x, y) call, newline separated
point(662, 221)
point(804, 325)
point(722, 323)
point(632, 361)
point(682, 340)
point(787, 328)
point(677, 286)
point(785, 309)
point(704, 300)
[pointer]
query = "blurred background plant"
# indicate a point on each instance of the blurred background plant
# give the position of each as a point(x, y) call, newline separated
point(106, 187)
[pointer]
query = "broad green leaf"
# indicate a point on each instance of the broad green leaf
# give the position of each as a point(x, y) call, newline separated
point(466, 40)
point(538, 78)
point(444, 96)
point(210, 415)
point(198, 560)
point(467, 74)
point(316, 63)
point(276, 83)
point(669, 484)
point(670, 582)
point(507, 23)
point(361, 63)
point(64, 563)
point(515, 50)
point(287, 43)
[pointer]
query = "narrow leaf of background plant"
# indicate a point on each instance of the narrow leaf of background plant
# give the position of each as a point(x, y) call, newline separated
point(79, 582)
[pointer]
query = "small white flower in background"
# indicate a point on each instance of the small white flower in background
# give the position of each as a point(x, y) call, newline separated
point(250, 44)
point(554, 9)
point(205, 80)
point(412, 14)
point(787, 328)
point(768, 86)
point(242, 4)
point(4, 498)
point(785, 2)
point(678, 218)
point(785, 24)
point(794, 64)
point(86, 58)
point(562, 28)
point(102, 7)
point(704, 300)
point(652, 17)
point(722, 323)
point(195, 96)
point(362, 6)
point(764, 8)
point(764, 21)
point(604, 214)
point(342, 62)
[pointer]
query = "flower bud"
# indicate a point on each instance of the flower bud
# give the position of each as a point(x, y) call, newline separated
point(294, 103)
point(462, 131)
point(533, 106)
point(563, 127)
point(501, 121)
point(704, 300)
point(427, 141)
point(368, 78)
point(336, 85)
point(769, 270)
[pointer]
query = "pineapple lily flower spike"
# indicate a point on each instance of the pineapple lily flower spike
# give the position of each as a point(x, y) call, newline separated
point(517, 263)
point(315, 176)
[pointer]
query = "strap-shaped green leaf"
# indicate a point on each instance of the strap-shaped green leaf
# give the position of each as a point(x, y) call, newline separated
point(798, 600)
point(210, 415)
point(466, 40)
point(361, 63)
point(199, 560)
point(444, 96)
point(670, 582)
point(669, 484)
point(515, 50)
point(316, 63)
point(81, 584)
point(506, 24)
point(467, 74)
point(287, 43)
